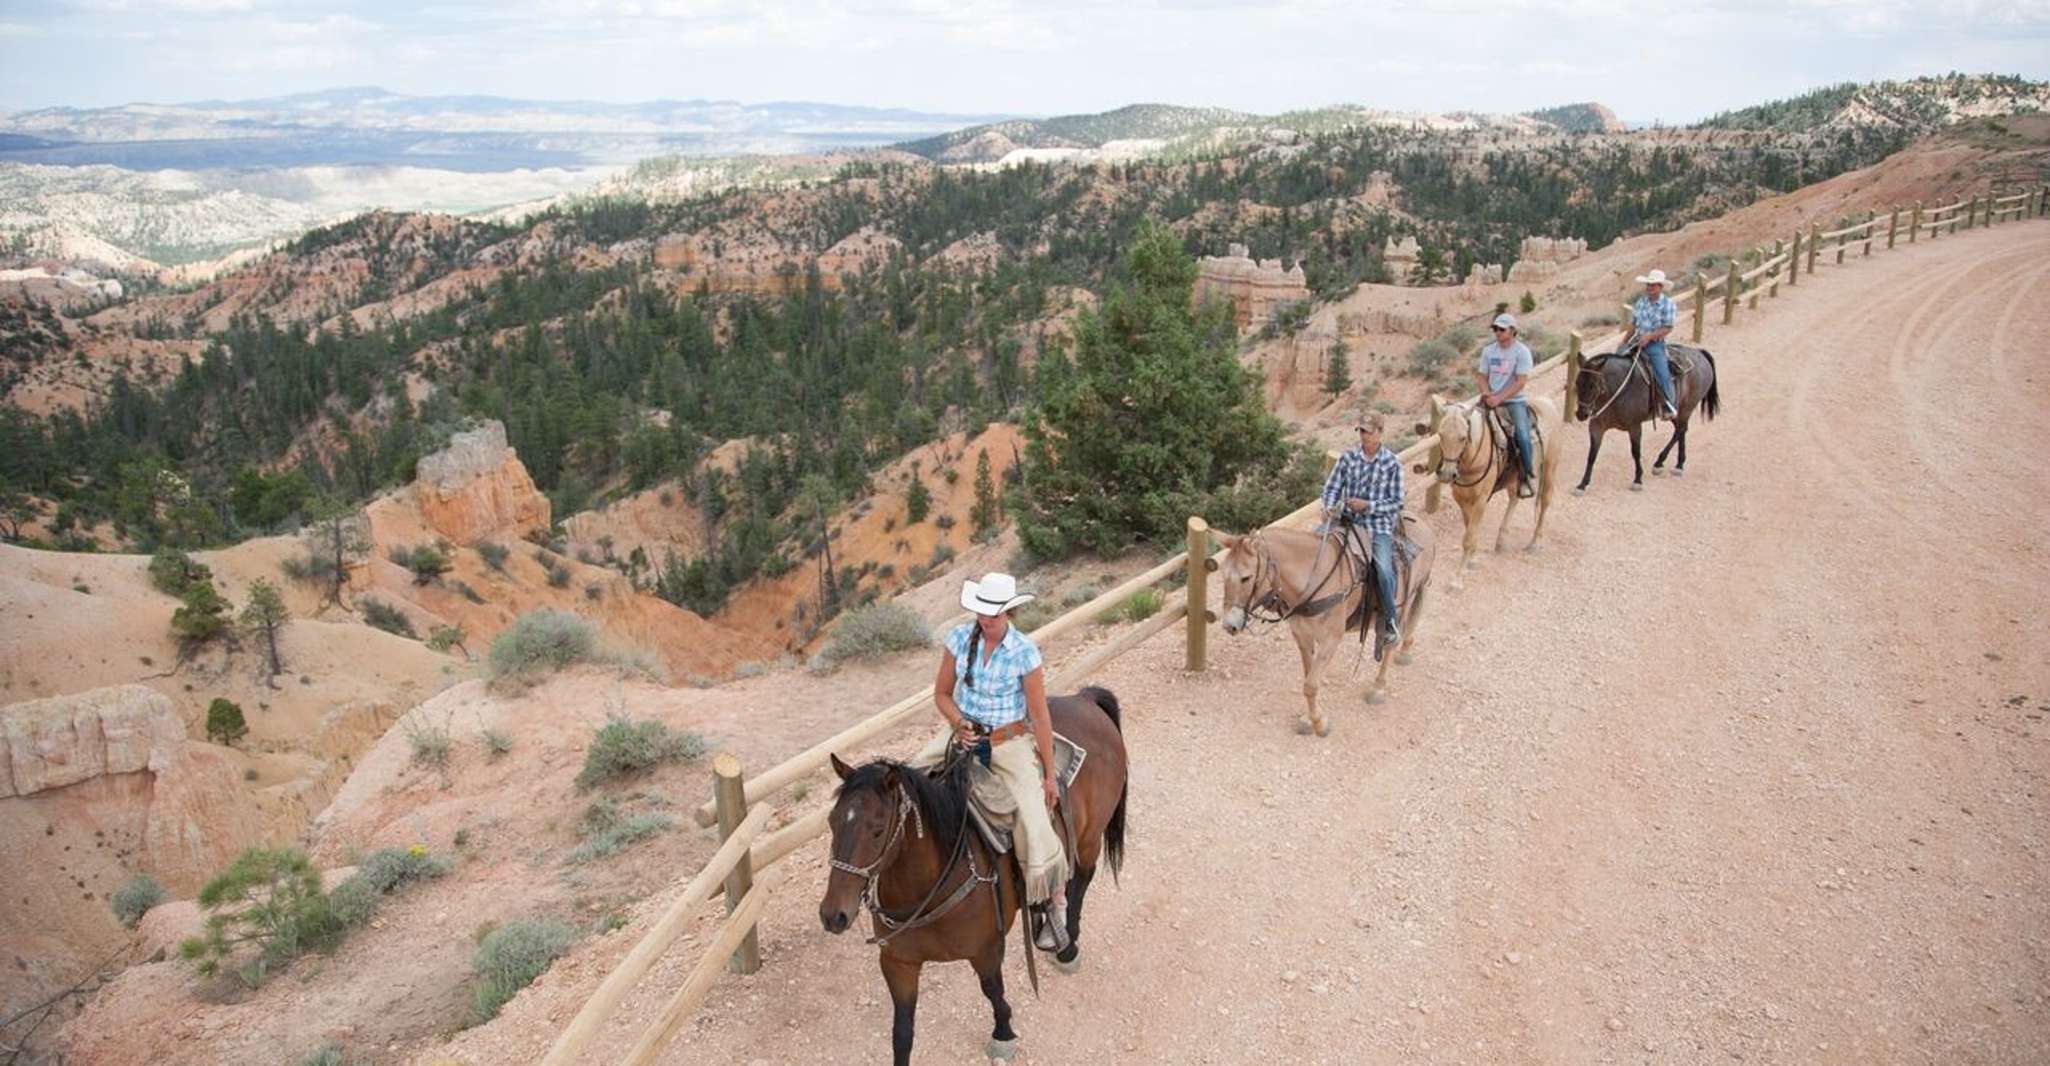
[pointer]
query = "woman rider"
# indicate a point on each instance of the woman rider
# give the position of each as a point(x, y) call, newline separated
point(992, 685)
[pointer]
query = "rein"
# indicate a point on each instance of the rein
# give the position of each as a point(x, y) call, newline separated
point(924, 913)
point(1276, 608)
point(1635, 355)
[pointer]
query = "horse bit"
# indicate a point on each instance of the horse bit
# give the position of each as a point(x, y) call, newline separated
point(871, 875)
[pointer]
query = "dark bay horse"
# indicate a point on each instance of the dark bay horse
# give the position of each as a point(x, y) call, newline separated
point(903, 849)
point(1616, 391)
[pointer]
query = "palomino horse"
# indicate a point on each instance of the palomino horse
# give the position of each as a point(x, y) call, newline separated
point(1310, 580)
point(1477, 465)
point(904, 850)
point(1615, 391)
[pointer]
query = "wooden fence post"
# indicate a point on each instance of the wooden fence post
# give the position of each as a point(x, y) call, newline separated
point(1953, 224)
point(1730, 287)
point(1573, 362)
point(1794, 261)
point(729, 794)
point(1199, 593)
point(1814, 245)
point(1893, 225)
point(1700, 298)
point(1915, 228)
point(1871, 227)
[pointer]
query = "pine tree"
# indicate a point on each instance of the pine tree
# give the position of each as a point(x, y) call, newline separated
point(917, 501)
point(983, 515)
point(1337, 370)
point(335, 536)
point(224, 722)
point(266, 614)
point(203, 618)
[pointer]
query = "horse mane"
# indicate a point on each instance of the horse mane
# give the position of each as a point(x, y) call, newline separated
point(941, 798)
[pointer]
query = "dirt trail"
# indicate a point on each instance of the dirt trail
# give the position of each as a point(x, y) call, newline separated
point(1747, 767)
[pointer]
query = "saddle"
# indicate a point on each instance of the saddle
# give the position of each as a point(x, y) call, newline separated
point(992, 808)
point(1359, 548)
point(1504, 434)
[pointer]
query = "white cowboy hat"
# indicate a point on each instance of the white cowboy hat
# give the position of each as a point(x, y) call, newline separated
point(995, 594)
point(1656, 277)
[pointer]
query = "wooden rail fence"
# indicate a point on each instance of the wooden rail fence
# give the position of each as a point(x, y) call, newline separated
point(745, 869)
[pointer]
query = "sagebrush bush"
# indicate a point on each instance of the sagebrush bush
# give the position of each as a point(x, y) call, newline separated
point(328, 1054)
point(135, 897)
point(1137, 607)
point(497, 742)
point(389, 868)
point(431, 744)
point(1430, 358)
point(615, 837)
point(381, 615)
point(875, 631)
point(494, 555)
point(353, 902)
point(624, 746)
point(539, 643)
point(511, 956)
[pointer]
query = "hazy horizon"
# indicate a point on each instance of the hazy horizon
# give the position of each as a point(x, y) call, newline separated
point(981, 57)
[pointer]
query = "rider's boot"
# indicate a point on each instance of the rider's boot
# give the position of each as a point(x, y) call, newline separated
point(1050, 925)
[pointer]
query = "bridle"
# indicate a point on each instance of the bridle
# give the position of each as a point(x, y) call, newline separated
point(1635, 354)
point(1476, 432)
point(1267, 571)
point(925, 913)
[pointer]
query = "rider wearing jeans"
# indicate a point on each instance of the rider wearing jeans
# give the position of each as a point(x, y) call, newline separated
point(1650, 320)
point(1505, 369)
point(1365, 489)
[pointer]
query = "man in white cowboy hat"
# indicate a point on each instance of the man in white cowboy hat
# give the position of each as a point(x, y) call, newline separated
point(1504, 371)
point(1650, 320)
point(991, 686)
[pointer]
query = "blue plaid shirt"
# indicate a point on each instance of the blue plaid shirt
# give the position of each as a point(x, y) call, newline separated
point(998, 698)
point(1649, 316)
point(1377, 481)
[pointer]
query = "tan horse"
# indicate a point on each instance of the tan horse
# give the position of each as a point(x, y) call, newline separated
point(1477, 466)
point(1304, 578)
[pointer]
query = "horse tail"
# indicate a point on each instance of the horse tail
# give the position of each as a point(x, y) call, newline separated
point(1712, 402)
point(1114, 830)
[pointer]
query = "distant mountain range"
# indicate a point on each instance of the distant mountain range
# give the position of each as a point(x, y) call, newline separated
point(370, 126)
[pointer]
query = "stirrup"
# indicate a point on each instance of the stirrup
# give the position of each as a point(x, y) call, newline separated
point(1049, 932)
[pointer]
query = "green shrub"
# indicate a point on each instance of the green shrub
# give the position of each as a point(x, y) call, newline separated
point(917, 502)
point(171, 571)
point(431, 744)
point(135, 897)
point(494, 555)
point(540, 643)
point(328, 1054)
point(1137, 607)
point(944, 521)
point(224, 721)
point(381, 615)
point(387, 869)
point(623, 746)
point(615, 838)
point(204, 616)
point(1527, 304)
point(558, 577)
point(353, 902)
point(264, 910)
point(1035, 614)
point(511, 956)
point(872, 632)
point(497, 742)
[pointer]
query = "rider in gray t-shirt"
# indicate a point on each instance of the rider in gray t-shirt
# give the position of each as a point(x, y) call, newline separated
point(1504, 370)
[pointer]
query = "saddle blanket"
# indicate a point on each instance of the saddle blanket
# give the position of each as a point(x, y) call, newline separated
point(991, 806)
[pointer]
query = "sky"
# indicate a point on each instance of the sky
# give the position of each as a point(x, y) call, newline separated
point(1672, 61)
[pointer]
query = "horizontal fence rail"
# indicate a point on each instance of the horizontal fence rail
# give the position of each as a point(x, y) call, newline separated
point(750, 851)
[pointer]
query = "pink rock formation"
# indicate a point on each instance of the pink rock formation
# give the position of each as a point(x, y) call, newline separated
point(1254, 287)
point(477, 488)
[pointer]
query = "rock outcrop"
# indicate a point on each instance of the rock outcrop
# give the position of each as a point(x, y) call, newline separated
point(1401, 258)
point(50, 743)
point(1253, 287)
point(477, 488)
point(1539, 258)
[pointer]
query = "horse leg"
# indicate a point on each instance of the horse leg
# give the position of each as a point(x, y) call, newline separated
point(1502, 531)
point(902, 977)
point(1306, 645)
point(1658, 466)
point(1416, 609)
point(1637, 456)
point(1327, 645)
point(1070, 961)
point(1543, 501)
point(1680, 468)
point(989, 966)
point(1594, 448)
point(1470, 512)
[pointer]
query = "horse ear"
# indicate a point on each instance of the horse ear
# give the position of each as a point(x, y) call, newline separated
point(1437, 408)
point(845, 771)
point(1227, 541)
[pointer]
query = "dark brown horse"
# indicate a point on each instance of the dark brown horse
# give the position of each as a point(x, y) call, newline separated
point(903, 849)
point(1616, 391)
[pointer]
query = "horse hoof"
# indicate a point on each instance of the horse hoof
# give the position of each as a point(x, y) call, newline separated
point(1658, 471)
point(1323, 727)
point(1003, 1050)
point(1679, 473)
point(1404, 658)
point(1579, 492)
point(1377, 696)
point(1302, 727)
point(1072, 966)
point(1637, 486)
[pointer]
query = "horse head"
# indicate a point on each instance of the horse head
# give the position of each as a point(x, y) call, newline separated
point(1449, 422)
point(868, 830)
point(1242, 571)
